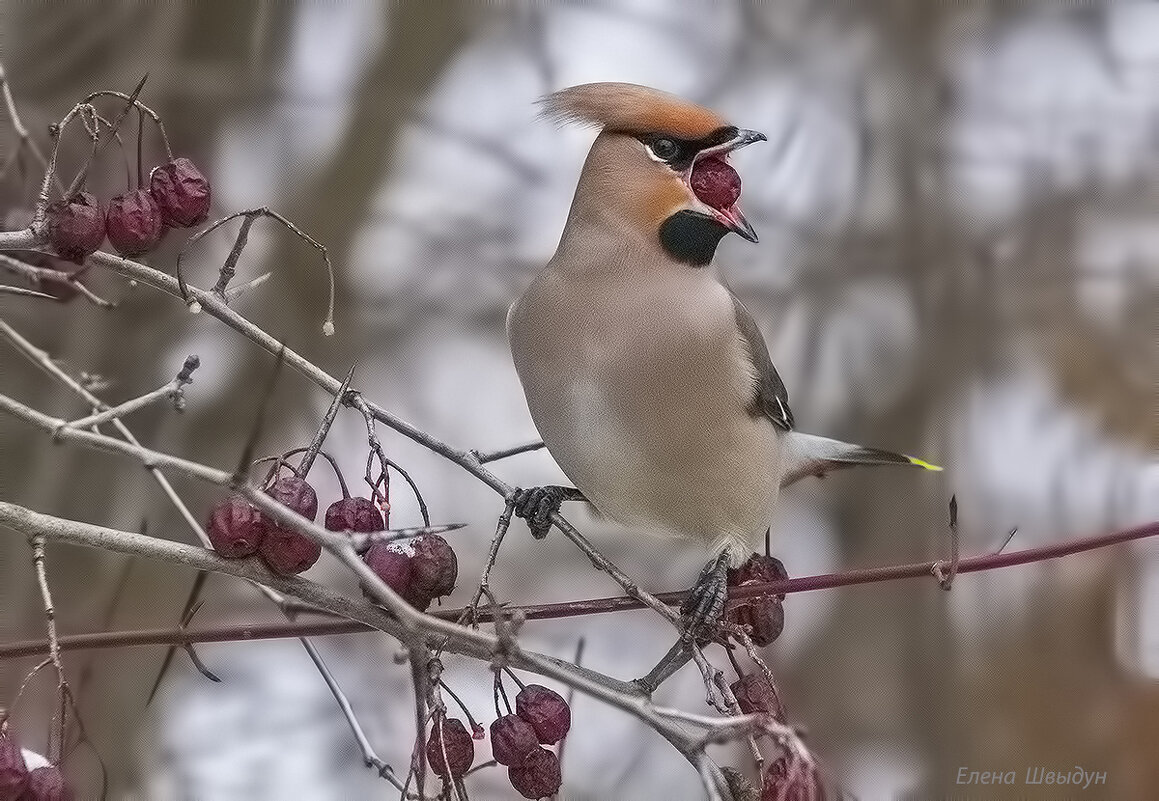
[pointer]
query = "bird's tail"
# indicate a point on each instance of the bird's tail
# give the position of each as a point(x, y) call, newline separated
point(811, 455)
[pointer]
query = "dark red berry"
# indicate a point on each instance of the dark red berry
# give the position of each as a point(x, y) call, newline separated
point(755, 694)
point(13, 771)
point(393, 565)
point(236, 528)
point(538, 776)
point(451, 736)
point(715, 182)
point(76, 226)
point(512, 739)
point(354, 514)
point(181, 192)
point(46, 784)
point(434, 566)
point(545, 710)
point(791, 779)
point(286, 551)
point(764, 616)
point(133, 222)
point(297, 494)
point(758, 568)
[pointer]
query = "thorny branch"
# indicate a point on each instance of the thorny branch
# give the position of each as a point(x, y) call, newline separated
point(430, 631)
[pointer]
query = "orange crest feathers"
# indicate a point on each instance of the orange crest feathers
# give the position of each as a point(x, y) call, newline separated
point(631, 108)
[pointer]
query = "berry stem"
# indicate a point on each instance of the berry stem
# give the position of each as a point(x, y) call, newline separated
point(99, 143)
point(327, 421)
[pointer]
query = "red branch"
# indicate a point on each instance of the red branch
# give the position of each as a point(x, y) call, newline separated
point(241, 633)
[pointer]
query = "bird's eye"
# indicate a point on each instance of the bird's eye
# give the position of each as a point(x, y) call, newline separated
point(665, 149)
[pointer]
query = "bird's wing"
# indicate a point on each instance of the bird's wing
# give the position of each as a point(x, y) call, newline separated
point(770, 398)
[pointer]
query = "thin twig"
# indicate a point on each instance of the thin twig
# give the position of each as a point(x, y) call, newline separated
point(55, 743)
point(324, 429)
point(26, 139)
point(41, 274)
point(172, 390)
point(503, 453)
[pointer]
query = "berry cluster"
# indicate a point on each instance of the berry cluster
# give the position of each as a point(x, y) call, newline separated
point(18, 783)
point(178, 197)
point(238, 529)
point(542, 717)
point(762, 616)
point(419, 569)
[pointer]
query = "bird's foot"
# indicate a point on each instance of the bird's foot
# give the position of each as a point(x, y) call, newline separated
point(704, 606)
point(537, 504)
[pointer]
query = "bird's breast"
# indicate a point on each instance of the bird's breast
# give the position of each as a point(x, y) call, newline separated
point(641, 396)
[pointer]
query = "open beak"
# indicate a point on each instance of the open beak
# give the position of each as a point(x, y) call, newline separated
point(731, 217)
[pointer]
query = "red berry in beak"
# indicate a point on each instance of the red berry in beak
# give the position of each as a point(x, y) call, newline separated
point(715, 182)
point(76, 226)
point(512, 739)
point(451, 736)
point(354, 514)
point(182, 193)
point(538, 776)
point(133, 223)
point(236, 528)
point(545, 710)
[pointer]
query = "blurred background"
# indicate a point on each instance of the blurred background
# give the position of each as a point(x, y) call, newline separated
point(959, 258)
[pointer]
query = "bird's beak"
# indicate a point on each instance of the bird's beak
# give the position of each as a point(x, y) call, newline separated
point(731, 217)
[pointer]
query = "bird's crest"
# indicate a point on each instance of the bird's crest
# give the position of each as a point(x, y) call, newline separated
point(630, 108)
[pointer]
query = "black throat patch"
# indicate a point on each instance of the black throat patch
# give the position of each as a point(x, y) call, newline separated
point(691, 237)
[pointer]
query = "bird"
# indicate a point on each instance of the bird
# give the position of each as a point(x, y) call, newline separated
point(649, 381)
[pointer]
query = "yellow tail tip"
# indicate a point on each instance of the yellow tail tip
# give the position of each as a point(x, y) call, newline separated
point(916, 462)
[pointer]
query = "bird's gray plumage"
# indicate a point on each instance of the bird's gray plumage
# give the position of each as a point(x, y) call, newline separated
point(770, 398)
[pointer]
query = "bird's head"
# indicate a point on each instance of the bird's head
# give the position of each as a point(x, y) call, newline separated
point(659, 165)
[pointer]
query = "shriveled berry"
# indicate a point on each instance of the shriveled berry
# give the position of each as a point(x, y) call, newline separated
point(297, 494)
point(288, 552)
point(791, 779)
point(181, 192)
point(354, 514)
point(451, 736)
point(13, 771)
point(545, 710)
point(755, 694)
point(46, 784)
point(512, 739)
point(758, 568)
point(538, 776)
point(715, 182)
point(434, 567)
point(391, 564)
point(133, 222)
point(764, 616)
point(76, 226)
point(236, 528)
